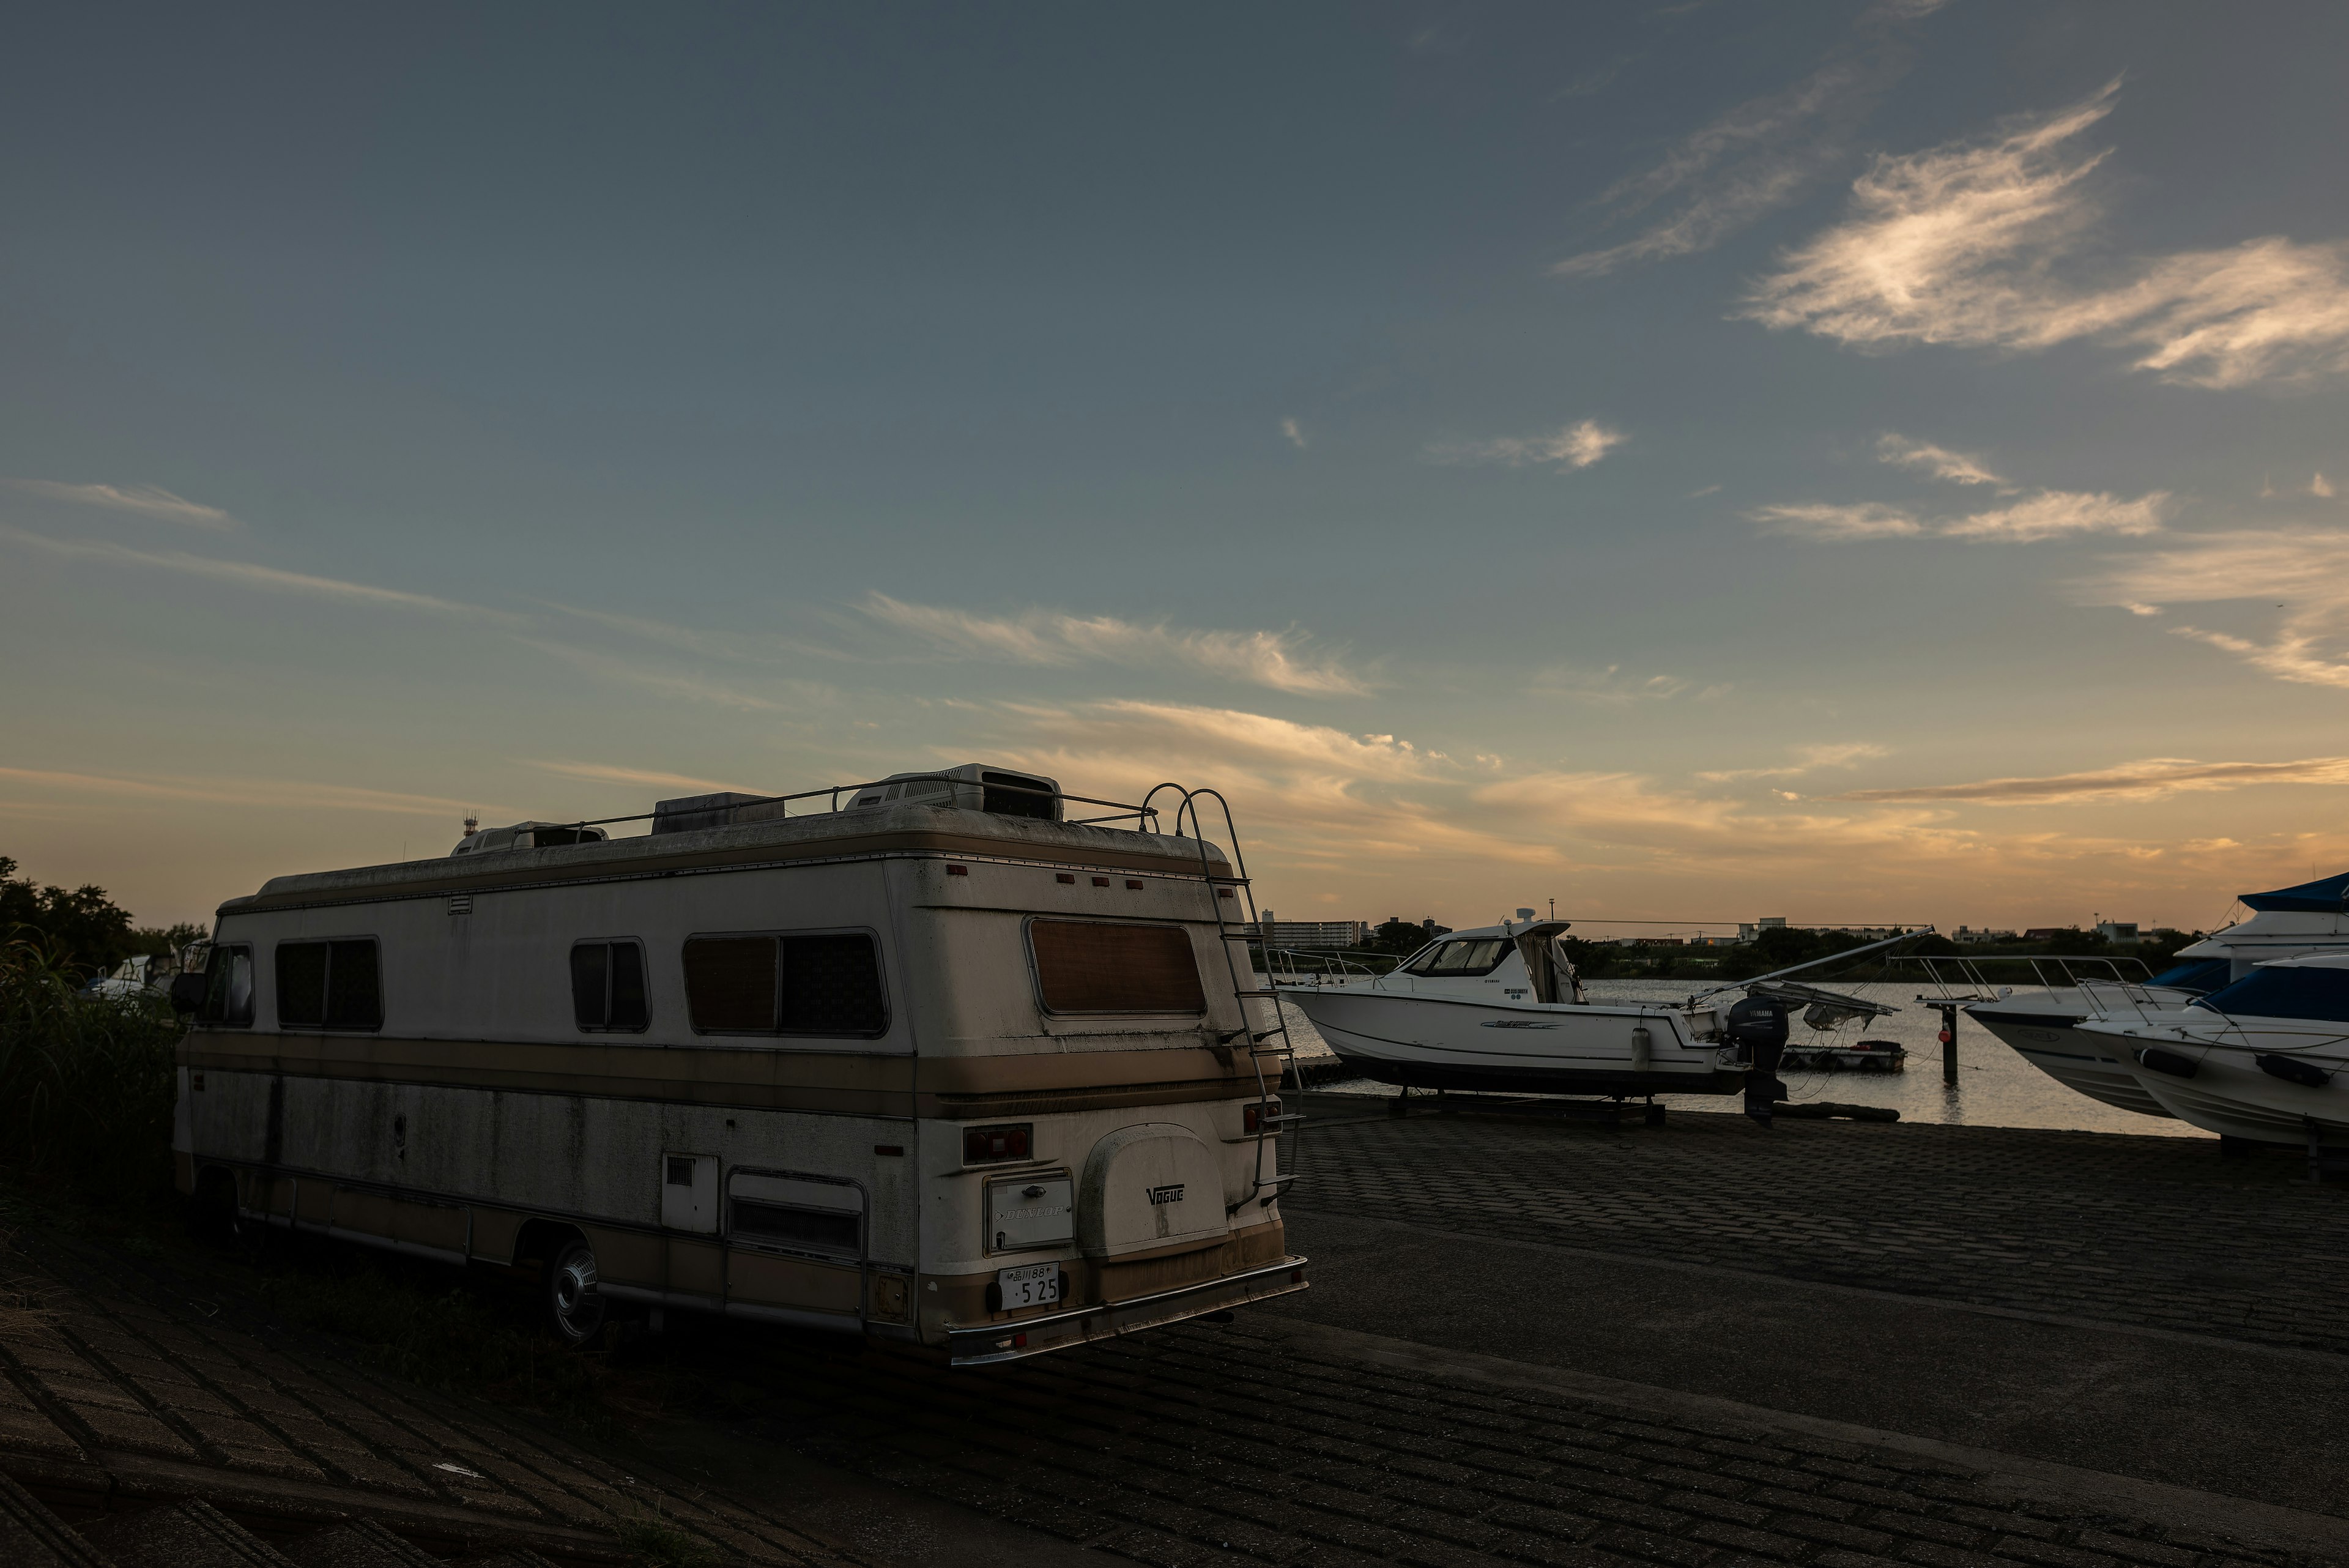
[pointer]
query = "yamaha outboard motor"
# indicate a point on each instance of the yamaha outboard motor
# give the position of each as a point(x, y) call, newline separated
point(1759, 1023)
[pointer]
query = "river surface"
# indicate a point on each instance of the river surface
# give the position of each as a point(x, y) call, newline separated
point(1995, 1087)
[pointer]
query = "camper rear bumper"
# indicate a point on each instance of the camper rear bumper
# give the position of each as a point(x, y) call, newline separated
point(976, 1345)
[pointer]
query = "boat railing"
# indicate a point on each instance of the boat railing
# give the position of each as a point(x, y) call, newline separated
point(1310, 967)
point(1961, 978)
point(2111, 999)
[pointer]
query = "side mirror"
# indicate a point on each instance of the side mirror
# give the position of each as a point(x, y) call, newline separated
point(187, 993)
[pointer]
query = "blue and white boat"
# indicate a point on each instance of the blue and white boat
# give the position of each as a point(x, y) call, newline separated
point(2263, 1058)
point(2044, 1024)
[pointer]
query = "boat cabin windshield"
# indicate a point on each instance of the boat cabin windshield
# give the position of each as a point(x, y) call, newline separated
point(1477, 955)
point(2284, 993)
point(2195, 974)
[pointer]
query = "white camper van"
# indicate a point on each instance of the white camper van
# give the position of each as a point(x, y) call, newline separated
point(939, 1065)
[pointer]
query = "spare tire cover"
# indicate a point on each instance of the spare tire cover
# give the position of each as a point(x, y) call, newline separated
point(1153, 1185)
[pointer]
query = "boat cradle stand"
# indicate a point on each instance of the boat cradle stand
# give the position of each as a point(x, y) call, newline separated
point(1533, 1108)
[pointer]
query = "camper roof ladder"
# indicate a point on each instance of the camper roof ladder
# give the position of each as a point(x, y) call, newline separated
point(1270, 1045)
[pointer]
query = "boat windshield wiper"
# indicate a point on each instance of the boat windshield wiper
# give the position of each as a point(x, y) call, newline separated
point(1813, 963)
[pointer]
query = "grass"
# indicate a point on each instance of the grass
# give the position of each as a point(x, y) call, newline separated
point(657, 1541)
point(85, 1087)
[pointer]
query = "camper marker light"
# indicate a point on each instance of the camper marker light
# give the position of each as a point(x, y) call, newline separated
point(1252, 1119)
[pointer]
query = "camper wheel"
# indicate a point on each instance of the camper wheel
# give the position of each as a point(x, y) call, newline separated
point(572, 1303)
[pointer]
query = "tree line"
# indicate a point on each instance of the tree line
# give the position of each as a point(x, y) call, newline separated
point(80, 928)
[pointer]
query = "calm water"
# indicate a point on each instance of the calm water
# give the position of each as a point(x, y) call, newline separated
point(1995, 1087)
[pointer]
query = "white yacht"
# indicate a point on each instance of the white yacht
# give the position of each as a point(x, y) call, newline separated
point(2044, 1024)
point(2287, 923)
point(1500, 1008)
point(2260, 1059)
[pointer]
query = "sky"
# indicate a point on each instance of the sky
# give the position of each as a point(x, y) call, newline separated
point(1851, 461)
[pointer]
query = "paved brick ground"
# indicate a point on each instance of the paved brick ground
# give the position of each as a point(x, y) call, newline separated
point(1197, 1444)
point(1257, 1442)
point(116, 1375)
point(2154, 1232)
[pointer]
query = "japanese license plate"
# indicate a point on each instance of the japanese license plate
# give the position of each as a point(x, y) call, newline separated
point(1030, 1284)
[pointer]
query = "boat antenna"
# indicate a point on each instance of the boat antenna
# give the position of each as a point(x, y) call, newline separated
point(1813, 963)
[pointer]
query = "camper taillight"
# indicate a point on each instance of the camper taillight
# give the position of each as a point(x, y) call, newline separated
point(988, 1145)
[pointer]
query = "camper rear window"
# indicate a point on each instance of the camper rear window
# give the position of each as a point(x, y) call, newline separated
point(1093, 966)
point(1481, 956)
point(330, 985)
point(819, 983)
point(607, 986)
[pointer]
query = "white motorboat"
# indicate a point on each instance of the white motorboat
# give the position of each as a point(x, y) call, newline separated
point(2043, 1022)
point(1500, 1008)
point(2260, 1059)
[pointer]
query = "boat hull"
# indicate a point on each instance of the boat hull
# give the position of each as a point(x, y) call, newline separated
point(2229, 1095)
point(1442, 1043)
point(2056, 1044)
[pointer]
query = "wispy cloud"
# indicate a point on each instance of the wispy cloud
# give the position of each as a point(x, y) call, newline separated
point(2148, 780)
point(1830, 523)
point(1939, 462)
point(1612, 687)
point(1762, 154)
point(2320, 487)
point(1574, 446)
point(1294, 433)
point(1280, 661)
point(1966, 243)
point(2041, 515)
point(2303, 572)
point(1809, 760)
point(781, 695)
point(709, 642)
point(1594, 82)
point(271, 793)
point(609, 773)
point(250, 575)
point(146, 500)
point(2051, 514)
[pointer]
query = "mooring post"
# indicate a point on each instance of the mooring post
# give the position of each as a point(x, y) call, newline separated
point(1948, 1042)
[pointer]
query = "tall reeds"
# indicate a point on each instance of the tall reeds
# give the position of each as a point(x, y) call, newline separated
point(85, 1084)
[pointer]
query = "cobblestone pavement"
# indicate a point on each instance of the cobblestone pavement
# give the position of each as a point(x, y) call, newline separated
point(114, 1383)
point(1278, 1441)
point(1199, 1445)
point(2151, 1232)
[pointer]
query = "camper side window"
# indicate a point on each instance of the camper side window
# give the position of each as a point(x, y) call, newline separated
point(330, 985)
point(228, 986)
point(607, 987)
point(825, 983)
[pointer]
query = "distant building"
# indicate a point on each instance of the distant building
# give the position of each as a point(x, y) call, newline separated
point(1312, 934)
point(1968, 936)
point(1746, 933)
point(2047, 933)
point(2117, 931)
